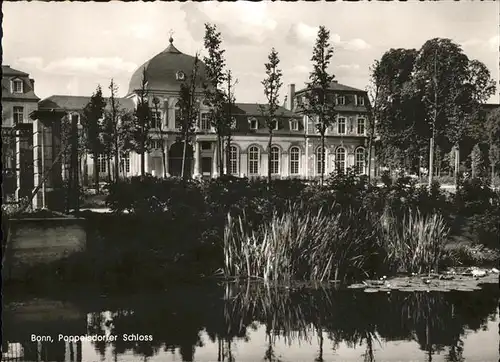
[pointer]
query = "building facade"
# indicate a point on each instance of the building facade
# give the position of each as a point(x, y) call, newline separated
point(295, 151)
point(18, 101)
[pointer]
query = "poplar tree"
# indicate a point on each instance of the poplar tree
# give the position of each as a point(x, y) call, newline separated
point(317, 105)
point(272, 84)
point(214, 94)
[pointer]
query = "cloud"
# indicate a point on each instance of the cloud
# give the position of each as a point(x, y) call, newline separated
point(492, 44)
point(302, 33)
point(79, 66)
point(347, 66)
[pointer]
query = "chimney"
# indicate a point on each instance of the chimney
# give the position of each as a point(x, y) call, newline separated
point(290, 97)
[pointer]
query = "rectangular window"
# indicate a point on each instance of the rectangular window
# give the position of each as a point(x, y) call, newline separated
point(253, 161)
point(275, 161)
point(253, 124)
point(276, 124)
point(233, 162)
point(18, 115)
point(17, 86)
point(156, 119)
point(361, 126)
point(157, 144)
point(204, 122)
point(360, 100)
point(126, 163)
point(294, 160)
point(206, 145)
point(294, 125)
point(340, 100)
point(101, 164)
point(341, 126)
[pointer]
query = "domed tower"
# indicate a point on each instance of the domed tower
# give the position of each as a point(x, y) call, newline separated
point(166, 71)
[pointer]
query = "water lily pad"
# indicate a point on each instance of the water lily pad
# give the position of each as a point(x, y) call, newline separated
point(357, 286)
point(371, 290)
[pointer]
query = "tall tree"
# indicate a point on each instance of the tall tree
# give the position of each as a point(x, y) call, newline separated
point(467, 95)
point(397, 109)
point(160, 128)
point(189, 111)
point(272, 84)
point(215, 78)
point(373, 92)
point(317, 105)
point(493, 130)
point(93, 114)
point(476, 161)
point(115, 125)
point(142, 122)
point(440, 68)
point(229, 102)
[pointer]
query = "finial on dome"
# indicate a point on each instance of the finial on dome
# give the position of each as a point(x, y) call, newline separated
point(171, 39)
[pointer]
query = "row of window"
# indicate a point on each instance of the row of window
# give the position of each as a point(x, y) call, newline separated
point(294, 160)
point(339, 100)
point(342, 126)
point(102, 163)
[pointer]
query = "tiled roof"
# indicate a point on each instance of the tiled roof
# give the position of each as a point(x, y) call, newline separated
point(162, 69)
point(335, 86)
point(9, 74)
point(255, 109)
point(7, 70)
point(78, 103)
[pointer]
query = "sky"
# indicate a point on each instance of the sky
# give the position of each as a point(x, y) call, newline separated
point(71, 47)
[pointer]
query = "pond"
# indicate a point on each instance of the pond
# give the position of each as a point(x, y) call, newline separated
point(250, 322)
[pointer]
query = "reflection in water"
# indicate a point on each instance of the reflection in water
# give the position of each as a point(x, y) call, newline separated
point(251, 322)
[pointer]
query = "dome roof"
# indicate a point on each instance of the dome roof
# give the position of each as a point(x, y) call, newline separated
point(166, 71)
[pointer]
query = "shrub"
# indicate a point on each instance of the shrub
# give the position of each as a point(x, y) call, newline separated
point(413, 243)
point(300, 244)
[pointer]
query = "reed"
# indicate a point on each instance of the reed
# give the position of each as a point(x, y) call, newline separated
point(299, 244)
point(414, 244)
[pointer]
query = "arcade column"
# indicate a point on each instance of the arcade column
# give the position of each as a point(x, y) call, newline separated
point(47, 168)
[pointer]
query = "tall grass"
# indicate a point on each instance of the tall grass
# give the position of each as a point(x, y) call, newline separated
point(300, 244)
point(415, 243)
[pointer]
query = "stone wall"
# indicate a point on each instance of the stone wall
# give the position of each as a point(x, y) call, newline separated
point(36, 242)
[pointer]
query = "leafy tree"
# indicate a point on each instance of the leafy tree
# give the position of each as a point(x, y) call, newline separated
point(317, 105)
point(189, 111)
point(142, 123)
point(214, 94)
point(397, 109)
point(93, 114)
point(272, 84)
point(440, 69)
point(493, 131)
point(477, 161)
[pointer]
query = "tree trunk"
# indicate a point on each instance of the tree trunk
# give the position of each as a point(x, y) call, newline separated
point(323, 161)
point(370, 146)
point(269, 155)
point(143, 166)
point(108, 160)
point(220, 143)
point(96, 171)
point(164, 160)
point(117, 162)
point(183, 169)
point(493, 176)
point(457, 165)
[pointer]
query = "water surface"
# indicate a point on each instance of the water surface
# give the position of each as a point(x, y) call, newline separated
point(254, 323)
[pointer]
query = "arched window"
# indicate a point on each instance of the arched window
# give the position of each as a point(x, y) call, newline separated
point(275, 160)
point(340, 159)
point(360, 160)
point(234, 161)
point(320, 161)
point(294, 160)
point(253, 160)
point(177, 116)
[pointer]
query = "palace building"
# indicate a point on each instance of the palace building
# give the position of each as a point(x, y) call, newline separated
point(296, 150)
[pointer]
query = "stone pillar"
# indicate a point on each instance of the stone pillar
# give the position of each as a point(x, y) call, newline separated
point(215, 170)
point(326, 155)
point(196, 157)
point(305, 161)
point(350, 157)
point(166, 158)
point(146, 162)
point(285, 164)
point(264, 157)
point(38, 163)
point(243, 163)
